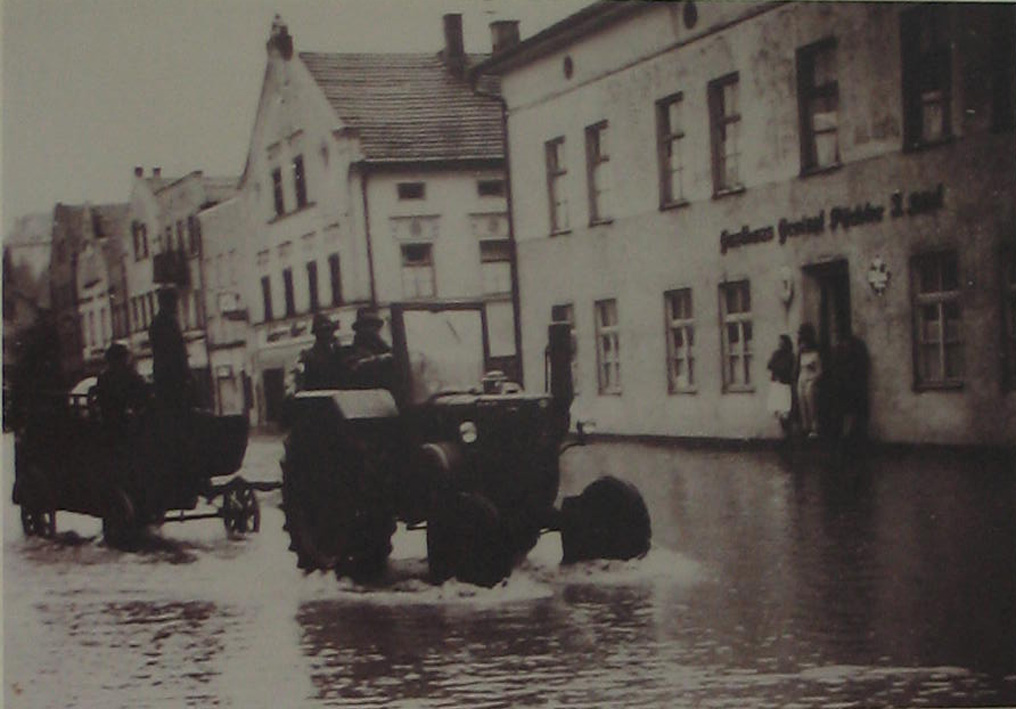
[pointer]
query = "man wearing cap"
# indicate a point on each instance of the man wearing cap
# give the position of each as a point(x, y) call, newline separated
point(120, 390)
point(321, 361)
point(169, 356)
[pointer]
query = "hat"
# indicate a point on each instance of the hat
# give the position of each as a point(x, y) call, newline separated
point(322, 323)
point(117, 353)
point(366, 318)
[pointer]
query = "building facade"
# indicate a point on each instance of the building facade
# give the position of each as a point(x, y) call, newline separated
point(370, 179)
point(101, 283)
point(690, 181)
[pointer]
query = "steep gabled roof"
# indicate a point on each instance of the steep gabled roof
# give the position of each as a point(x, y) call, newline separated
point(220, 189)
point(408, 107)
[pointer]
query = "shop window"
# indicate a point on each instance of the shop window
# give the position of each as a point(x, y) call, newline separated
point(680, 340)
point(608, 347)
point(725, 133)
point(598, 172)
point(565, 312)
point(411, 190)
point(737, 336)
point(818, 103)
point(300, 182)
point(312, 285)
point(938, 320)
point(418, 271)
point(670, 136)
point(335, 277)
point(280, 200)
point(287, 290)
point(1009, 316)
point(496, 266)
point(927, 84)
point(266, 298)
point(557, 171)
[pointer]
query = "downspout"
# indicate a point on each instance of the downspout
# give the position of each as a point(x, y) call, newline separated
point(366, 228)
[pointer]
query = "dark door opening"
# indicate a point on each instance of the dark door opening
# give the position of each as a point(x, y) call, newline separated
point(275, 393)
point(828, 307)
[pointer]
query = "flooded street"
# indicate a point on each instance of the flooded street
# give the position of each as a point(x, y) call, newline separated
point(771, 582)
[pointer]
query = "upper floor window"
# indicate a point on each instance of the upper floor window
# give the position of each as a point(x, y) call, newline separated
point(669, 137)
point(598, 172)
point(411, 190)
point(938, 320)
point(927, 68)
point(287, 289)
point(490, 188)
point(557, 170)
point(496, 266)
point(608, 347)
point(418, 271)
point(300, 182)
point(818, 104)
point(266, 297)
point(565, 312)
point(139, 232)
point(680, 340)
point(335, 276)
point(280, 200)
point(312, 285)
point(194, 231)
point(735, 310)
point(725, 132)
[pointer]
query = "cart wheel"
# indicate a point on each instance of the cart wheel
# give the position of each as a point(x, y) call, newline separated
point(37, 522)
point(241, 513)
point(120, 526)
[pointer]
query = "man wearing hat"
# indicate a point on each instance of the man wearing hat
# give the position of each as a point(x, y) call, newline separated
point(371, 358)
point(321, 361)
point(120, 390)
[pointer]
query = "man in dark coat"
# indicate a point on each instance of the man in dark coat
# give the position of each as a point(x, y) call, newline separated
point(120, 390)
point(169, 355)
point(370, 358)
point(321, 363)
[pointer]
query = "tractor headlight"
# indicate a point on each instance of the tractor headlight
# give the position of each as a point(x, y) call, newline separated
point(467, 432)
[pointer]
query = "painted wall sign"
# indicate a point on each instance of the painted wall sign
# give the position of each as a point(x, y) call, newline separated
point(840, 217)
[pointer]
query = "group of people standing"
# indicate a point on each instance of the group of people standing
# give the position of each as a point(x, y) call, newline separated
point(820, 391)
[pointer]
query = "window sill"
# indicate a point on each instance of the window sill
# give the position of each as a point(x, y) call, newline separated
point(922, 145)
point(299, 210)
point(675, 391)
point(728, 192)
point(675, 204)
point(824, 170)
point(739, 389)
point(560, 232)
point(601, 222)
point(922, 387)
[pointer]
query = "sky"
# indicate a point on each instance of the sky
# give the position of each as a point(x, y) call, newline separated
point(92, 88)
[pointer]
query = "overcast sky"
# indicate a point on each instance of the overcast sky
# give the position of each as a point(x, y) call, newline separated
point(92, 88)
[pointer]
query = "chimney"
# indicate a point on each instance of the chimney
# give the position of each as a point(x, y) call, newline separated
point(504, 34)
point(454, 51)
point(139, 171)
point(280, 42)
point(156, 172)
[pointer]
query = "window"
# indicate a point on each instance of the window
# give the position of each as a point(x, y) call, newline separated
point(312, 286)
point(167, 244)
point(410, 190)
point(287, 289)
point(135, 316)
point(669, 133)
point(104, 324)
point(91, 340)
point(490, 188)
point(725, 131)
point(417, 271)
point(266, 297)
point(556, 172)
point(565, 312)
point(181, 237)
point(151, 308)
point(300, 181)
point(938, 320)
point(280, 202)
point(199, 308)
point(1009, 316)
point(680, 340)
point(735, 306)
point(608, 347)
point(927, 63)
point(818, 104)
point(597, 172)
point(194, 229)
point(335, 276)
point(495, 266)
point(139, 232)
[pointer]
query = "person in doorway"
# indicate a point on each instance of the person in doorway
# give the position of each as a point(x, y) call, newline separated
point(120, 391)
point(851, 366)
point(169, 356)
point(781, 368)
point(809, 372)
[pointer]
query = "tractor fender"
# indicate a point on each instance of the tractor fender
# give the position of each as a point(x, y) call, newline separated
point(350, 404)
point(440, 463)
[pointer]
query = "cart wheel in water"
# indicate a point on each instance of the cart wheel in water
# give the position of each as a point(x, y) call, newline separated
point(120, 527)
point(465, 540)
point(609, 520)
point(36, 522)
point(241, 513)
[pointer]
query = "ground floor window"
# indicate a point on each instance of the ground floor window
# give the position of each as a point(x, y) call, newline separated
point(608, 347)
point(680, 340)
point(418, 271)
point(735, 308)
point(938, 320)
point(565, 312)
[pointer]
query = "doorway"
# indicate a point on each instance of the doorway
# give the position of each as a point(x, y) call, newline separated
point(827, 302)
point(275, 393)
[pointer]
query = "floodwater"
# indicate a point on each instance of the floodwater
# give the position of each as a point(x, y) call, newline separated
point(773, 581)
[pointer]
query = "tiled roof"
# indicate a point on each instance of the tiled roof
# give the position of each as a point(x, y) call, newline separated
point(408, 106)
